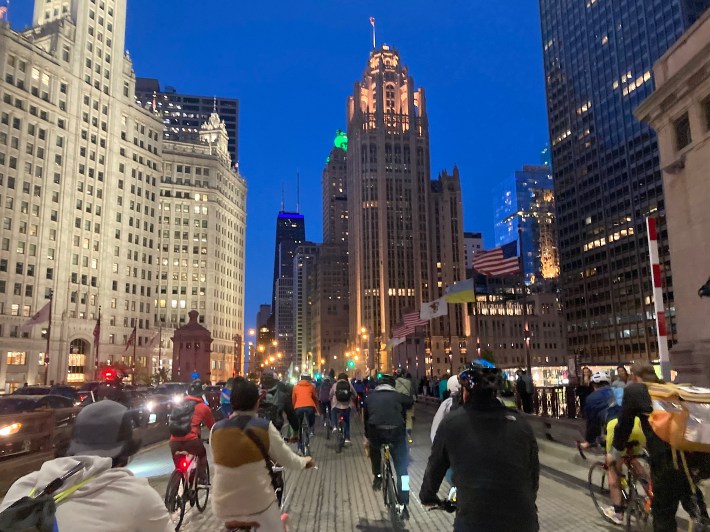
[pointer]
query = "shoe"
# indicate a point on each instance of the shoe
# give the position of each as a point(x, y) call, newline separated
point(335, 429)
point(347, 440)
point(377, 483)
point(613, 516)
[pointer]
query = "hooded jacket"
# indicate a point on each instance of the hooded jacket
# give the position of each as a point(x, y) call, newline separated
point(304, 394)
point(386, 407)
point(113, 500)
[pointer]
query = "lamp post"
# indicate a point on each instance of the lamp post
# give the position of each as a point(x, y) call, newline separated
point(448, 351)
point(463, 349)
point(428, 359)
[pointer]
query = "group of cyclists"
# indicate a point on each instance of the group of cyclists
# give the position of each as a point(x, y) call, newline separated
point(483, 447)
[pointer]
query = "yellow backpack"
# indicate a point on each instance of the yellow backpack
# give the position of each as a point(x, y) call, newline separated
point(681, 416)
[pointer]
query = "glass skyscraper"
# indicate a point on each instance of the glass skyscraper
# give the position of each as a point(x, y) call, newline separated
point(598, 59)
point(526, 200)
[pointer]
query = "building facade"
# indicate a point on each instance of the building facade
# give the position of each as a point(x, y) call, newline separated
point(525, 205)
point(598, 59)
point(335, 193)
point(184, 114)
point(202, 230)
point(305, 264)
point(472, 244)
point(388, 172)
point(79, 166)
point(679, 111)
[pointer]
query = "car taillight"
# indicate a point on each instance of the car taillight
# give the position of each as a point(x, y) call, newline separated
point(9, 430)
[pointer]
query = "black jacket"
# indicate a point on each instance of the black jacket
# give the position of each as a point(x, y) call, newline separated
point(494, 456)
point(637, 403)
point(385, 407)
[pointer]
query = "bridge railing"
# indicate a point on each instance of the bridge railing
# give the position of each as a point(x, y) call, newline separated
point(556, 402)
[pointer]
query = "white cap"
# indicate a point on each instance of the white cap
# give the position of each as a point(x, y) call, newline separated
point(601, 376)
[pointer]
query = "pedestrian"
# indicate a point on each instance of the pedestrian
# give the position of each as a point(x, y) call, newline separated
point(622, 377)
point(524, 387)
point(584, 388)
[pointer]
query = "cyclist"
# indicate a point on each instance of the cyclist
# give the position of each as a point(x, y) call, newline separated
point(670, 484)
point(324, 396)
point(404, 386)
point(185, 424)
point(107, 496)
point(452, 402)
point(494, 455)
point(224, 404)
point(242, 489)
point(305, 400)
point(384, 423)
point(342, 396)
point(359, 386)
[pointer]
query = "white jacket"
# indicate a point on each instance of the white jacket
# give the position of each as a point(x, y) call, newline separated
point(444, 408)
point(112, 501)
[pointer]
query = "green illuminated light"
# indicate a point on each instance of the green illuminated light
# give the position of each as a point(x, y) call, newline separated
point(341, 140)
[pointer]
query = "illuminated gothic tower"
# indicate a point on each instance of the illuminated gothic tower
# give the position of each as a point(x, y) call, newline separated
point(388, 187)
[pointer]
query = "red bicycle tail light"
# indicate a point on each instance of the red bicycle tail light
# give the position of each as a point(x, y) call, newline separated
point(183, 464)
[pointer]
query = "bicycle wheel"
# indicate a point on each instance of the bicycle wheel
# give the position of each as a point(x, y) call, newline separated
point(202, 493)
point(384, 475)
point(341, 436)
point(599, 488)
point(637, 517)
point(328, 425)
point(174, 501)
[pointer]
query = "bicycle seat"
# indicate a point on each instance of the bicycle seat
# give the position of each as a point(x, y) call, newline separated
point(235, 526)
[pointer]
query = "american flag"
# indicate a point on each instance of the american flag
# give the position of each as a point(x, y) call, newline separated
point(502, 260)
point(131, 339)
point(409, 323)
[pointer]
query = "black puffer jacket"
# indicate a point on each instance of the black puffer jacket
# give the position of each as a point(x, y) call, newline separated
point(494, 456)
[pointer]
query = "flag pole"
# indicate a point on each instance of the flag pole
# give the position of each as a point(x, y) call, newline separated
point(372, 23)
point(96, 347)
point(49, 333)
point(133, 358)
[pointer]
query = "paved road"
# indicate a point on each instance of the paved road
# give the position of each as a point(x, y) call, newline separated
point(338, 496)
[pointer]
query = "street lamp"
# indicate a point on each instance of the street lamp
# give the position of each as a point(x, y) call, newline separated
point(447, 350)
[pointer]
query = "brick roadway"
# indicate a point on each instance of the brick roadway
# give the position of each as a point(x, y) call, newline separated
point(338, 496)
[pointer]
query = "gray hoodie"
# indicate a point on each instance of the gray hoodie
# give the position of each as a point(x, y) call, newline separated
point(112, 501)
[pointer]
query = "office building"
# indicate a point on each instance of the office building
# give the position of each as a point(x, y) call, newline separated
point(472, 244)
point(598, 59)
point(525, 206)
point(388, 193)
point(335, 193)
point(262, 317)
point(201, 244)
point(304, 294)
point(184, 114)
point(79, 177)
point(679, 111)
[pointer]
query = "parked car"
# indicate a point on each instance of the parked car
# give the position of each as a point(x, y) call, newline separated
point(56, 389)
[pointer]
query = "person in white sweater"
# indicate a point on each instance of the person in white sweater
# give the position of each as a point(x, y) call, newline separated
point(454, 388)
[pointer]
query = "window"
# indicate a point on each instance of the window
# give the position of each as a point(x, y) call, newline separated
point(682, 132)
point(15, 358)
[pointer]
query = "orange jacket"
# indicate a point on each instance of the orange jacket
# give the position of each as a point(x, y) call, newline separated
point(304, 394)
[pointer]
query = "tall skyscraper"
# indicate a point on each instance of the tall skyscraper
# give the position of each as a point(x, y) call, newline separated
point(304, 296)
point(446, 239)
point(184, 114)
point(388, 189)
point(335, 193)
point(290, 233)
point(598, 59)
point(79, 170)
point(262, 317)
point(526, 201)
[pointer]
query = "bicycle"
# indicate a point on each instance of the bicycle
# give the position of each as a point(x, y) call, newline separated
point(398, 512)
point(304, 436)
point(638, 504)
point(341, 433)
point(184, 487)
point(327, 421)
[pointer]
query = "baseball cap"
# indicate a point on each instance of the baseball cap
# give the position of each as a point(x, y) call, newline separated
point(104, 428)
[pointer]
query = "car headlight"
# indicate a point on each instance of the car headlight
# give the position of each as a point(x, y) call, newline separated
point(9, 430)
point(150, 405)
point(177, 398)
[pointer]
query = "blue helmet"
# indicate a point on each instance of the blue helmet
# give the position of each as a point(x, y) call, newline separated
point(480, 375)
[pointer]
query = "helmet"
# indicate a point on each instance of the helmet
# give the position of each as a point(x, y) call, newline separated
point(481, 375)
point(195, 388)
point(398, 372)
point(453, 385)
point(387, 379)
point(601, 376)
point(305, 377)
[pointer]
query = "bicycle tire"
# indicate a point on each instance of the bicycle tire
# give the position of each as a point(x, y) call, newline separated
point(341, 436)
point(174, 501)
point(598, 486)
point(636, 518)
point(202, 505)
point(384, 475)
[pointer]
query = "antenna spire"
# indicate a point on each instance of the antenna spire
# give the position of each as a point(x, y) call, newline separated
point(298, 191)
point(283, 197)
point(372, 23)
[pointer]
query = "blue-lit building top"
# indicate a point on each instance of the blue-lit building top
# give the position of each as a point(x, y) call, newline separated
point(598, 57)
point(290, 233)
point(526, 200)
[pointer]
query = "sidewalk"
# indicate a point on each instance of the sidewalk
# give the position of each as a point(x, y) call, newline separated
point(338, 496)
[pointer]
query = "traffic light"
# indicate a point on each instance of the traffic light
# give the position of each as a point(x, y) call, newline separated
point(379, 375)
point(351, 364)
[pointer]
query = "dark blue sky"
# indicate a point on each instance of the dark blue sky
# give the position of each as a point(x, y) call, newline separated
point(293, 64)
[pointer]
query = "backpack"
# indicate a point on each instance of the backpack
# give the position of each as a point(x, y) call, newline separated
point(681, 416)
point(343, 393)
point(269, 407)
point(180, 423)
point(36, 512)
